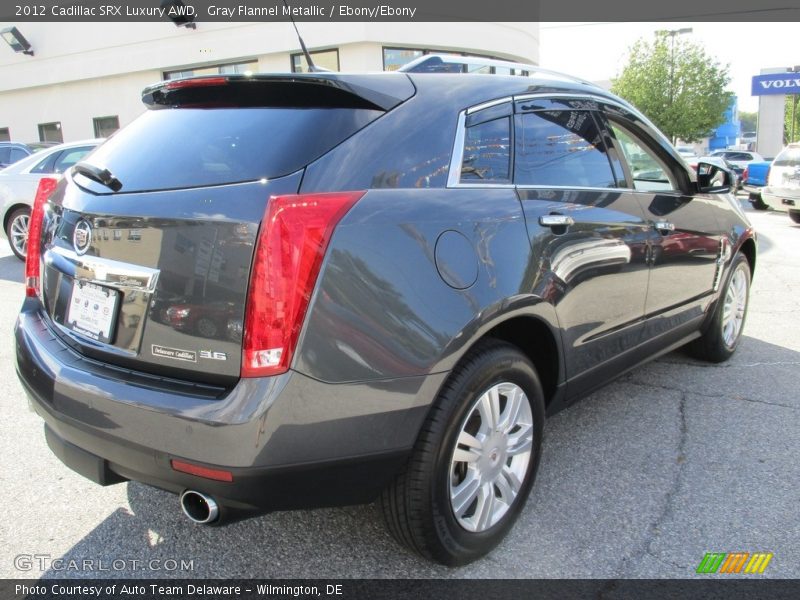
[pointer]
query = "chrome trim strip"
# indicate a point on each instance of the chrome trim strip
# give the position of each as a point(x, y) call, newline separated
point(454, 171)
point(103, 271)
point(478, 107)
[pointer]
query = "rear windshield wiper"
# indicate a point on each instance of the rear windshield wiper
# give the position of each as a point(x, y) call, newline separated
point(99, 175)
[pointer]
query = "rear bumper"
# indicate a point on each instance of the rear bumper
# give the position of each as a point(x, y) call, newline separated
point(781, 198)
point(289, 441)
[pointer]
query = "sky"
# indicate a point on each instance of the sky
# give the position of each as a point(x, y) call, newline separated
point(597, 51)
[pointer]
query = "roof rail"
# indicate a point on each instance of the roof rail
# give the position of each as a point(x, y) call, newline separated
point(443, 63)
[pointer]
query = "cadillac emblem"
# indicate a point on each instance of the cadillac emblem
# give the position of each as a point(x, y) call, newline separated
point(82, 236)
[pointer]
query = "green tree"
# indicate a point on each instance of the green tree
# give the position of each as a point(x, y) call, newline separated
point(787, 120)
point(677, 85)
point(749, 120)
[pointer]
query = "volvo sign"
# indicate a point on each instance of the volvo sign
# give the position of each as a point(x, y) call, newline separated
point(776, 83)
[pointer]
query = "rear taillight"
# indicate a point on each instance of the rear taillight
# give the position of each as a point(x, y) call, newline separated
point(291, 244)
point(766, 177)
point(33, 256)
point(745, 174)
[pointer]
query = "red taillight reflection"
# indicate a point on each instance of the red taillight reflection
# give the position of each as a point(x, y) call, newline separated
point(33, 256)
point(291, 244)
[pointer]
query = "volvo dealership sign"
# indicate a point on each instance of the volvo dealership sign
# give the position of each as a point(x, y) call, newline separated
point(776, 83)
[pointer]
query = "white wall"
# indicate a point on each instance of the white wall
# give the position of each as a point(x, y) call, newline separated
point(769, 138)
point(86, 70)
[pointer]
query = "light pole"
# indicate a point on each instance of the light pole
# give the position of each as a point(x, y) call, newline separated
point(794, 69)
point(672, 33)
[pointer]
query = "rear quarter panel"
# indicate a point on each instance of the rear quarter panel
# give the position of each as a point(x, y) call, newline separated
point(382, 308)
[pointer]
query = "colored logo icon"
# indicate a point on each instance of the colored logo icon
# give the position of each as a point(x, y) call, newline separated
point(734, 562)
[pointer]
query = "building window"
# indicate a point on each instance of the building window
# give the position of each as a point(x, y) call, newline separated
point(224, 69)
point(394, 58)
point(327, 59)
point(50, 132)
point(105, 126)
point(5, 134)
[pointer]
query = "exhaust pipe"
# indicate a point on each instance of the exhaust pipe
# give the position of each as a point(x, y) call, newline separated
point(199, 507)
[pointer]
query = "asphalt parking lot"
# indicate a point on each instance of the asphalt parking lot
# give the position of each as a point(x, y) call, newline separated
point(676, 459)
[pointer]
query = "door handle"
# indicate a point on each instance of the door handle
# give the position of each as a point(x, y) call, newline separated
point(556, 221)
point(664, 227)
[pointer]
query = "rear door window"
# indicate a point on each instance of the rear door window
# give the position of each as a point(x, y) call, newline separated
point(561, 148)
point(487, 152)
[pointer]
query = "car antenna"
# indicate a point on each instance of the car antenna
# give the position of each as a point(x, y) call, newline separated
point(312, 68)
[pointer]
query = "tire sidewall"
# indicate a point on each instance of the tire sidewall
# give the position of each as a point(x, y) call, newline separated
point(499, 366)
point(739, 262)
point(14, 215)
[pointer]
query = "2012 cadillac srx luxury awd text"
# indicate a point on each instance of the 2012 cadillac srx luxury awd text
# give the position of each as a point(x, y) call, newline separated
point(300, 290)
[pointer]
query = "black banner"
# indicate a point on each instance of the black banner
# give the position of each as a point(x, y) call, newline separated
point(397, 10)
point(377, 589)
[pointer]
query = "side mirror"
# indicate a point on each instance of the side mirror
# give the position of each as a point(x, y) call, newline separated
point(713, 179)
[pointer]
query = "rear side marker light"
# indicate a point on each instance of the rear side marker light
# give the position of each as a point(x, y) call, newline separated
point(291, 245)
point(215, 474)
point(34, 251)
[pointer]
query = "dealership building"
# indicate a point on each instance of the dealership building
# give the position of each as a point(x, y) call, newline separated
point(84, 80)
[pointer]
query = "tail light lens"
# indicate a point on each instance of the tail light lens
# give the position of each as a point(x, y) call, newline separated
point(33, 256)
point(745, 174)
point(291, 244)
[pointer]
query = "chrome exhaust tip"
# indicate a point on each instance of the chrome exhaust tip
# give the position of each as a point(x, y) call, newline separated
point(199, 507)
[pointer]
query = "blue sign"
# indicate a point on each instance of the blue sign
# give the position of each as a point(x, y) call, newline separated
point(776, 83)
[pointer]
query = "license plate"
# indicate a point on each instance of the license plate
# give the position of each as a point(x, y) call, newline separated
point(92, 311)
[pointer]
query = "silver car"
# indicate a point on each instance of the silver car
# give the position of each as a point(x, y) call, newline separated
point(18, 183)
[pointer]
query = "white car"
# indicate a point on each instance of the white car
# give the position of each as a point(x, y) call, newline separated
point(18, 184)
point(739, 158)
point(782, 191)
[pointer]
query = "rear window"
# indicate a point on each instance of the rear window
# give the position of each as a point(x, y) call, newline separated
point(789, 157)
point(194, 147)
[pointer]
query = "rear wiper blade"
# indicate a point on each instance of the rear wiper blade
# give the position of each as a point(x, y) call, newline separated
point(99, 175)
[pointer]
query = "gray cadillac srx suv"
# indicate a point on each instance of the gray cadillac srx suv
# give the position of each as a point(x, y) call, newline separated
point(299, 290)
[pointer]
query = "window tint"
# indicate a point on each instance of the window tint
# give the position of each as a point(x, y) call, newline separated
point(648, 172)
point(5, 134)
point(487, 151)
point(46, 164)
point(789, 157)
point(561, 148)
point(69, 157)
point(192, 147)
point(17, 154)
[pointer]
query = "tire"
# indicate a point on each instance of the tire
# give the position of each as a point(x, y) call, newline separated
point(17, 231)
point(794, 215)
point(757, 203)
point(720, 340)
point(207, 327)
point(419, 507)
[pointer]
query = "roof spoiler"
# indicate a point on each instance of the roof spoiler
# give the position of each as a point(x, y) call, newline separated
point(297, 90)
